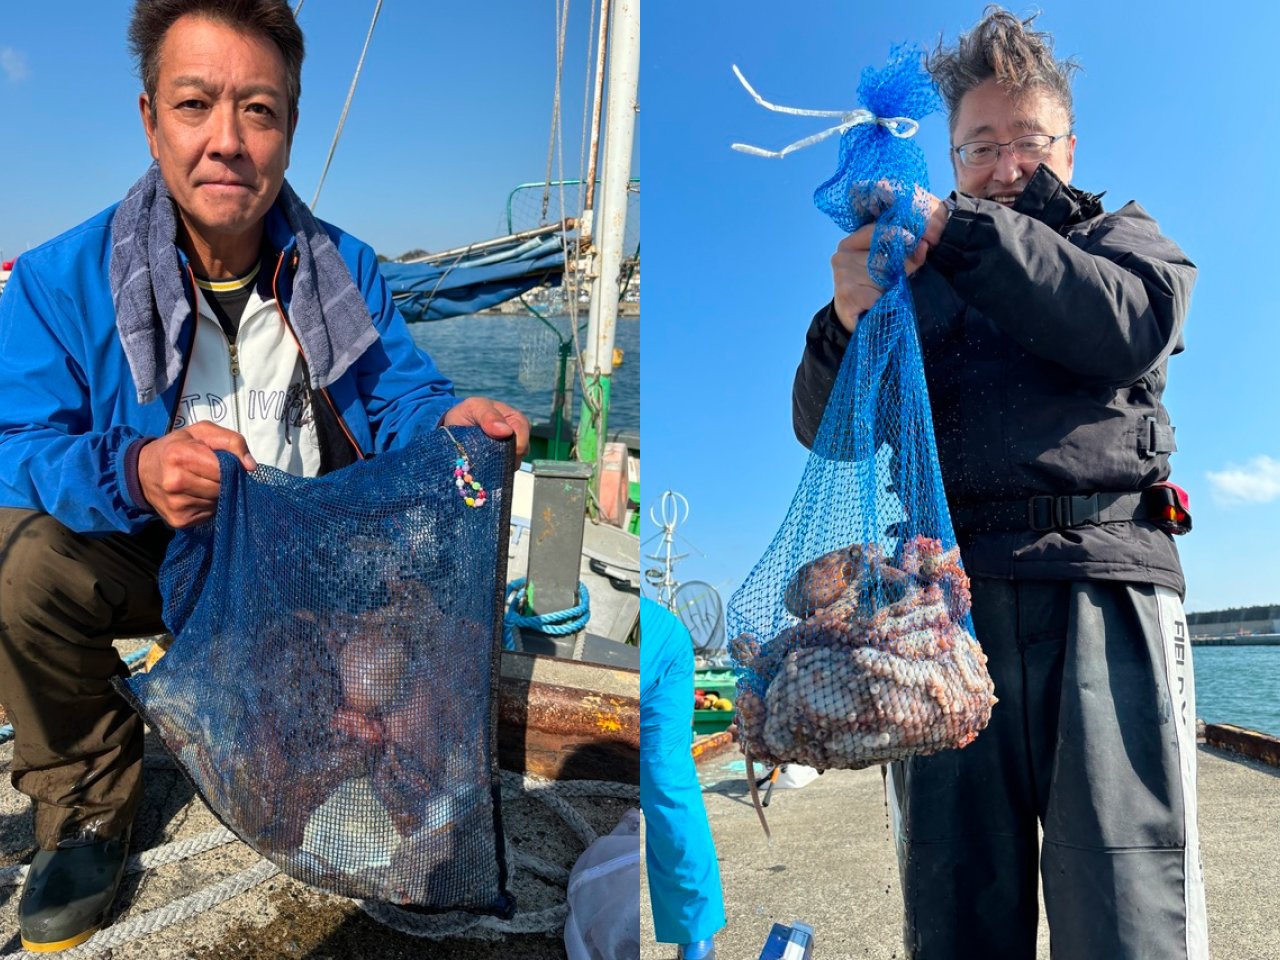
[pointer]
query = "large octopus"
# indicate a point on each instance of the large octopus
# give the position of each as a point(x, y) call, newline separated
point(879, 667)
point(351, 698)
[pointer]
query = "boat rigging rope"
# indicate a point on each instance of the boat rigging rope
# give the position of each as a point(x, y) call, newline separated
point(434, 926)
point(583, 166)
point(346, 106)
point(562, 22)
point(559, 623)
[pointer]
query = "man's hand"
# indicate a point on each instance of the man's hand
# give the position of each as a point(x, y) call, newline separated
point(495, 418)
point(179, 472)
point(855, 291)
point(938, 215)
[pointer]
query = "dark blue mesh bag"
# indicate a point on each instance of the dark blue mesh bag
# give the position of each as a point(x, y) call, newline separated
point(332, 686)
point(854, 644)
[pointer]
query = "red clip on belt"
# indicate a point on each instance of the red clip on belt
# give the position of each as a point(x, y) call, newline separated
point(1170, 507)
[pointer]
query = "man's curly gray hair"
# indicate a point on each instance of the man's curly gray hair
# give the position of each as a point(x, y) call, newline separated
point(1004, 47)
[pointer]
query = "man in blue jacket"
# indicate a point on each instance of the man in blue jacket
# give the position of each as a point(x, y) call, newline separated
point(208, 311)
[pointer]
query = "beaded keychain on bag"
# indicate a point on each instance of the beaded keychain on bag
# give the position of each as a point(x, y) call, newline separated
point(473, 495)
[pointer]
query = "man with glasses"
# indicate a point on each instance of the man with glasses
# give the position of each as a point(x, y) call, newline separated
point(1046, 325)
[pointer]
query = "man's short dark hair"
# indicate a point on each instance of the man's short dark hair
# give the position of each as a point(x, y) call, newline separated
point(272, 19)
point(1002, 46)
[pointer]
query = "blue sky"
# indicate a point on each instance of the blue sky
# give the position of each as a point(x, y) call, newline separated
point(1175, 108)
point(453, 110)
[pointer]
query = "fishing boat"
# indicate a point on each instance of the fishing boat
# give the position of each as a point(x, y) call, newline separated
point(573, 542)
point(570, 687)
point(563, 719)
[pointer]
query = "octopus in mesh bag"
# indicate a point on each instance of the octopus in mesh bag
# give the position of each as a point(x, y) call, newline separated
point(880, 666)
point(351, 714)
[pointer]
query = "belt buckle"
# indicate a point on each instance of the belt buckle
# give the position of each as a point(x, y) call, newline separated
point(1076, 511)
point(1045, 512)
point(1041, 513)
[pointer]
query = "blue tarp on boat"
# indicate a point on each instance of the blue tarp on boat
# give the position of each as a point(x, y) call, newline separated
point(462, 285)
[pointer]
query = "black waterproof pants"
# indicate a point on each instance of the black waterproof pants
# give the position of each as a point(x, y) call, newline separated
point(1093, 743)
point(63, 599)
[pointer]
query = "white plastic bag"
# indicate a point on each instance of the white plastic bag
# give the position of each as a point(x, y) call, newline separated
point(604, 896)
point(795, 775)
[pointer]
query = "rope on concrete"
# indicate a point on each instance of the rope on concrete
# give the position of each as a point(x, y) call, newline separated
point(148, 859)
point(580, 788)
point(155, 920)
point(550, 792)
point(576, 821)
point(542, 868)
point(182, 849)
point(433, 926)
point(12, 876)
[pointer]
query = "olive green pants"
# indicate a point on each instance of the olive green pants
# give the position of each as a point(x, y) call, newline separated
point(64, 598)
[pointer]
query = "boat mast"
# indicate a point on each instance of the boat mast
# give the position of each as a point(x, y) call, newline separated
point(610, 226)
point(597, 103)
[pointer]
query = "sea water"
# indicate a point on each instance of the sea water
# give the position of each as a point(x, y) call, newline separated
point(484, 355)
point(1239, 685)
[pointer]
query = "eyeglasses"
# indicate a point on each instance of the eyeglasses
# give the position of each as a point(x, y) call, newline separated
point(984, 153)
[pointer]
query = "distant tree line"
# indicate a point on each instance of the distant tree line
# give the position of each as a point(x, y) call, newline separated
point(1234, 615)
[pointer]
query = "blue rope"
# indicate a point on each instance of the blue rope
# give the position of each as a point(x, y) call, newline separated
point(6, 732)
point(558, 624)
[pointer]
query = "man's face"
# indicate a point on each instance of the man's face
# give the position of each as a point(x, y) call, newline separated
point(221, 130)
point(987, 112)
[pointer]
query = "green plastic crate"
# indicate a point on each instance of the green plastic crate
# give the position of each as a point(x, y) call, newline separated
point(712, 721)
point(724, 683)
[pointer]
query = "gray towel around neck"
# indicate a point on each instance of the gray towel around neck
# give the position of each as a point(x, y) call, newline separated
point(327, 311)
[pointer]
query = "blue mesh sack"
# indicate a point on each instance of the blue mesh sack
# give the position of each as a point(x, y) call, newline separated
point(854, 644)
point(331, 689)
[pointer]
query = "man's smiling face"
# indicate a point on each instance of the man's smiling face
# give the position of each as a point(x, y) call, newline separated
point(988, 112)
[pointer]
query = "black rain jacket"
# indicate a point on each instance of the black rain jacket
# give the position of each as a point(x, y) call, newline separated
point(1046, 331)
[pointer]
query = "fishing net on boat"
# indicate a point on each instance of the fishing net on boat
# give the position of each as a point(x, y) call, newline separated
point(332, 686)
point(539, 355)
point(853, 638)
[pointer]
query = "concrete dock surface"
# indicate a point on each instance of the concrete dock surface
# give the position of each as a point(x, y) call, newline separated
point(280, 918)
point(832, 864)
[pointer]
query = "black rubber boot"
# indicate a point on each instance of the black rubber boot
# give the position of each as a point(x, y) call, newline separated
point(68, 892)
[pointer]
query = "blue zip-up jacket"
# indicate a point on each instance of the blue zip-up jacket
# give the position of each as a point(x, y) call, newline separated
point(69, 411)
